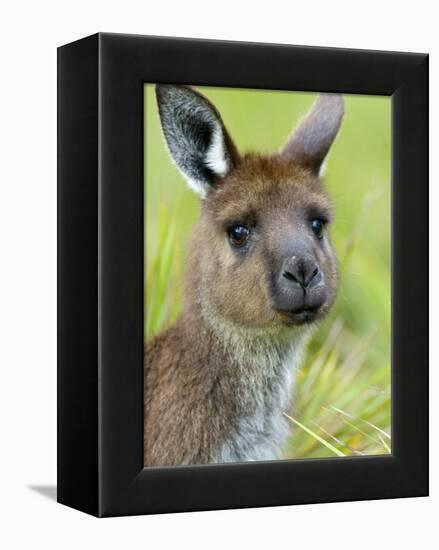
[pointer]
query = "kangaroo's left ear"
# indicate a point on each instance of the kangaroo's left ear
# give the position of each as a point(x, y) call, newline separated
point(196, 136)
point(310, 142)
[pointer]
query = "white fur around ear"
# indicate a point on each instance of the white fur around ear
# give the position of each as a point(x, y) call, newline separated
point(194, 185)
point(323, 166)
point(216, 158)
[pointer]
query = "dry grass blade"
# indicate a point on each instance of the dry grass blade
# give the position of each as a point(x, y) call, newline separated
point(355, 427)
point(337, 440)
point(316, 436)
point(382, 432)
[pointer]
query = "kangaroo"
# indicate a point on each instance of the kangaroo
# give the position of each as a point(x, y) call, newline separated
point(260, 273)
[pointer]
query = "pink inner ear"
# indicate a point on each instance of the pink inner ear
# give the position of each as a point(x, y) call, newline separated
point(310, 142)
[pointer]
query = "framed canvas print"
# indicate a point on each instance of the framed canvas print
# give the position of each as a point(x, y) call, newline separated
point(243, 275)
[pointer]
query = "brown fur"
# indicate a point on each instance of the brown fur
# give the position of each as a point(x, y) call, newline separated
point(195, 386)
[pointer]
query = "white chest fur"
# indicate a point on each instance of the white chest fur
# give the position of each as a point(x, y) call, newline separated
point(262, 428)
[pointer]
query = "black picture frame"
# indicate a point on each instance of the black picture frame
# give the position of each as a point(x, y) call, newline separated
point(100, 267)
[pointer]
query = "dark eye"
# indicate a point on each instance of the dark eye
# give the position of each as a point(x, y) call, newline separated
point(317, 227)
point(238, 235)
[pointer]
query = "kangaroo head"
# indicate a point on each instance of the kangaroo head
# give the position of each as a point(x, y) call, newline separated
point(260, 255)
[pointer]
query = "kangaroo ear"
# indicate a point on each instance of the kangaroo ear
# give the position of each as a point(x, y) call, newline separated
point(196, 137)
point(310, 142)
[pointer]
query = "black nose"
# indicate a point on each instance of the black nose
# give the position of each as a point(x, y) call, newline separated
point(301, 270)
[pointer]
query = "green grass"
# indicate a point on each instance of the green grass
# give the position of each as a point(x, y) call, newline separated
point(342, 396)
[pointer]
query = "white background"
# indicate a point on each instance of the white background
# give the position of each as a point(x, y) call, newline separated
point(29, 35)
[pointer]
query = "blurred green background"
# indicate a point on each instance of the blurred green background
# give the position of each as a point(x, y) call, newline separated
point(342, 397)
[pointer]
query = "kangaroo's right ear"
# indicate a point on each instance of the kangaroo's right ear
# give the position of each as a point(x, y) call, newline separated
point(196, 137)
